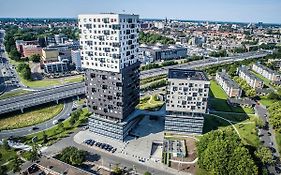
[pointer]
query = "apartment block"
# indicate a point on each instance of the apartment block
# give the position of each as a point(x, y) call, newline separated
point(249, 77)
point(109, 52)
point(163, 52)
point(230, 87)
point(266, 72)
point(55, 67)
point(29, 50)
point(186, 104)
point(50, 55)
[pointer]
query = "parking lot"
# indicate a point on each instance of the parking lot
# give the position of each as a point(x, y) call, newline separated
point(138, 146)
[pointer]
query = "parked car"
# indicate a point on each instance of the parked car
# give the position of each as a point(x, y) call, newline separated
point(113, 151)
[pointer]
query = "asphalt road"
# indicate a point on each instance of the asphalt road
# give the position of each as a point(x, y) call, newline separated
point(41, 97)
point(107, 158)
point(267, 136)
point(64, 114)
point(202, 63)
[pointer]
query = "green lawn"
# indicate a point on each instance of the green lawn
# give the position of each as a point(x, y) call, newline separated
point(248, 133)
point(278, 140)
point(7, 155)
point(13, 93)
point(74, 79)
point(40, 83)
point(213, 123)
point(246, 126)
point(217, 91)
point(52, 82)
point(149, 103)
point(56, 133)
point(32, 116)
point(265, 101)
point(218, 101)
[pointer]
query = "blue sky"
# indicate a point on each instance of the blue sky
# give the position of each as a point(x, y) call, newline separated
point(219, 10)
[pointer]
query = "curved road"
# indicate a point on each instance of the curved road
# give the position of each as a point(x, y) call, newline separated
point(64, 114)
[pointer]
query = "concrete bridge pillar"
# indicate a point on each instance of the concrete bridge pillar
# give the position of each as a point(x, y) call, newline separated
point(21, 109)
point(57, 101)
point(78, 97)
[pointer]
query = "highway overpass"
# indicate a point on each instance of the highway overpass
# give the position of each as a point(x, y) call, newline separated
point(40, 97)
point(76, 89)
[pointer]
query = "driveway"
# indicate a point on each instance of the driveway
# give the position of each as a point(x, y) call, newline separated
point(266, 135)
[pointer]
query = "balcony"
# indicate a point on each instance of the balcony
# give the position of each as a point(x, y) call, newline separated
point(116, 56)
point(116, 45)
point(107, 49)
point(132, 26)
point(105, 20)
point(101, 38)
point(106, 32)
point(132, 36)
point(128, 32)
point(116, 27)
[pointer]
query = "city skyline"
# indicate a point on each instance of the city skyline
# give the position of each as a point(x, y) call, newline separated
point(219, 10)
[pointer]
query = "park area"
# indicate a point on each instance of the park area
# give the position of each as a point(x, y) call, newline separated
point(59, 131)
point(150, 103)
point(52, 82)
point(31, 116)
point(218, 101)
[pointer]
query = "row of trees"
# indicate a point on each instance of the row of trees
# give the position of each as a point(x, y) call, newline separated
point(220, 53)
point(275, 115)
point(155, 85)
point(158, 65)
point(249, 91)
point(72, 156)
point(151, 38)
point(151, 79)
point(24, 70)
point(222, 152)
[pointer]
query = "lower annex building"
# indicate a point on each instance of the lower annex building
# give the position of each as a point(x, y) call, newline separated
point(186, 104)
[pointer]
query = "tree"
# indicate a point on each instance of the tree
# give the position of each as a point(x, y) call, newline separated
point(117, 170)
point(26, 73)
point(222, 152)
point(3, 169)
point(6, 144)
point(14, 54)
point(264, 155)
point(61, 126)
point(72, 156)
point(35, 58)
point(45, 137)
point(15, 164)
point(147, 173)
point(34, 153)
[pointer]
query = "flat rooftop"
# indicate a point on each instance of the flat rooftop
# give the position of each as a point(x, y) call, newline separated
point(187, 74)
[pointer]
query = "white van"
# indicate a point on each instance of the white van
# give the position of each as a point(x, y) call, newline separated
point(55, 122)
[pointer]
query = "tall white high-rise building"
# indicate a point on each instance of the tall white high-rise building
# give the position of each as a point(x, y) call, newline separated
point(109, 51)
point(109, 41)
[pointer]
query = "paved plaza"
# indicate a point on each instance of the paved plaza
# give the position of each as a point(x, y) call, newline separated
point(144, 141)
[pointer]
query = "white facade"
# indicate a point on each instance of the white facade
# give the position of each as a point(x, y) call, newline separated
point(109, 42)
point(188, 94)
point(76, 58)
point(266, 72)
point(250, 78)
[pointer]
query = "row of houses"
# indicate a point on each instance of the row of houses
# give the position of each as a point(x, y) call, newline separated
point(249, 77)
point(230, 87)
point(270, 74)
